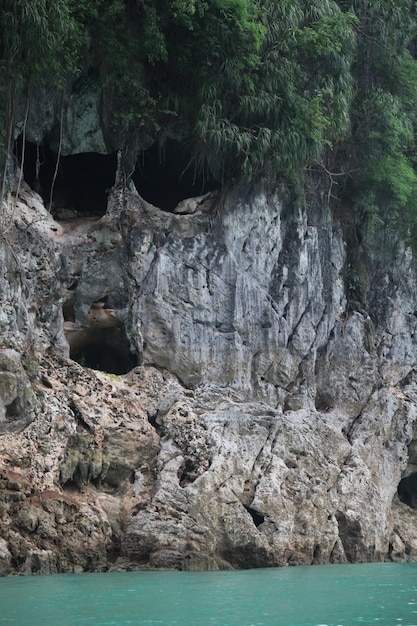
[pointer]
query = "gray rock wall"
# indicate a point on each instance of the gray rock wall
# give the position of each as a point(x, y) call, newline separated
point(270, 419)
point(235, 296)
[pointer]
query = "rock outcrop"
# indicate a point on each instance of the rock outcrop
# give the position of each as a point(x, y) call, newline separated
point(242, 407)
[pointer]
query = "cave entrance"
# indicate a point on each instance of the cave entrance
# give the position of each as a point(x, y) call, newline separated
point(109, 351)
point(164, 175)
point(101, 342)
point(82, 181)
point(407, 490)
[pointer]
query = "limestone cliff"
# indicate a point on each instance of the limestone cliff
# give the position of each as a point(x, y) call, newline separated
point(203, 389)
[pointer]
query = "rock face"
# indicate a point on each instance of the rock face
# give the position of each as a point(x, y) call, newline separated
point(249, 411)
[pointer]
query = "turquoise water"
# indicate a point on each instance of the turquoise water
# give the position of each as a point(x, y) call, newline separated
point(383, 594)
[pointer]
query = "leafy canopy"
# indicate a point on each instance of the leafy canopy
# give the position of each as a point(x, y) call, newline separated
point(255, 86)
point(379, 151)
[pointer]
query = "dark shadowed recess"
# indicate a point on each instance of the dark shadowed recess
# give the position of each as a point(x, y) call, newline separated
point(79, 183)
point(108, 352)
point(164, 175)
point(407, 490)
point(98, 344)
point(258, 518)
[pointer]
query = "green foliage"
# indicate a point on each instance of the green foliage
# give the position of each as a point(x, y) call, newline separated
point(351, 280)
point(255, 86)
point(387, 133)
point(380, 149)
point(38, 40)
point(33, 36)
point(275, 109)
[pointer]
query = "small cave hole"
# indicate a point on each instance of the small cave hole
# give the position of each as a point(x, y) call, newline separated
point(165, 175)
point(316, 554)
point(101, 342)
point(407, 490)
point(114, 551)
point(79, 183)
point(13, 409)
point(187, 473)
point(107, 350)
point(153, 421)
point(257, 517)
point(323, 402)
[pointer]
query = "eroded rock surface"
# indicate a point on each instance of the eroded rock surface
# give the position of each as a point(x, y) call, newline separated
point(261, 417)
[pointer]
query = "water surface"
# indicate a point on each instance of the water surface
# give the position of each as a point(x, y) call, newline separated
point(383, 594)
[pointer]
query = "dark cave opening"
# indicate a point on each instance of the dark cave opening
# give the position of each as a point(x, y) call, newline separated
point(323, 401)
point(108, 351)
point(82, 181)
point(187, 473)
point(407, 490)
point(88, 178)
point(257, 517)
point(164, 175)
point(100, 342)
point(12, 410)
